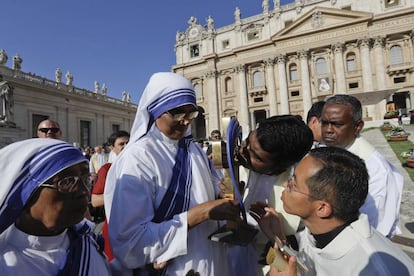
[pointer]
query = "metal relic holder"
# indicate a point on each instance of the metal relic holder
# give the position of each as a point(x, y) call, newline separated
point(223, 158)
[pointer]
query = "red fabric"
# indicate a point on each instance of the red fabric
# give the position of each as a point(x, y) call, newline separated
point(99, 186)
point(98, 189)
point(107, 248)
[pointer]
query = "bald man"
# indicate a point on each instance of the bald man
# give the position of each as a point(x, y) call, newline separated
point(49, 129)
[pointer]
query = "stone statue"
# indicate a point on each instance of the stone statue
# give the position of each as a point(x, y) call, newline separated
point(265, 6)
point(276, 4)
point(210, 23)
point(58, 75)
point(3, 57)
point(6, 102)
point(128, 98)
point(17, 62)
point(96, 86)
point(104, 89)
point(192, 21)
point(124, 96)
point(69, 78)
point(237, 14)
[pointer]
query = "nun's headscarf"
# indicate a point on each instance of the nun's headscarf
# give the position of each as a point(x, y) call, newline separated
point(164, 91)
point(24, 166)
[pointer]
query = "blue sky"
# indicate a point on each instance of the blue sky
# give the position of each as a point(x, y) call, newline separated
point(119, 43)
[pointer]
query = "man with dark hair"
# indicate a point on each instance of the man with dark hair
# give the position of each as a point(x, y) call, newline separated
point(341, 123)
point(326, 189)
point(267, 153)
point(313, 121)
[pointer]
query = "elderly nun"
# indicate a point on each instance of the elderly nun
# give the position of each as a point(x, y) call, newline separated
point(160, 199)
point(43, 199)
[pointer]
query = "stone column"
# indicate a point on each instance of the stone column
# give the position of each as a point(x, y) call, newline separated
point(213, 110)
point(339, 68)
point(380, 73)
point(283, 88)
point(306, 87)
point(271, 89)
point(243, 116)
point(366, 71)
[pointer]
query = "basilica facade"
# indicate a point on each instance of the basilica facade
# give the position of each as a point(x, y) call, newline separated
point(287, 57)
point(86, 118)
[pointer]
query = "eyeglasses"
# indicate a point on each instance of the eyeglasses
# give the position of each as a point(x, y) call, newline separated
point(290, 187)
point(179, 116)
point(46, 129)
point(68, 184)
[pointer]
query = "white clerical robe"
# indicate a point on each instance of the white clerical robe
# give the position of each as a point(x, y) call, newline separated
point(135, 186)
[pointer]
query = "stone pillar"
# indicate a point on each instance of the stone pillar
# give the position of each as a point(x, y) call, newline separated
point(244, 108)
point(366, 72)
point(213, 110)
point(306, 87)
point(380, 73)
point(271, 88)
point(283, 88)
point(340, 84)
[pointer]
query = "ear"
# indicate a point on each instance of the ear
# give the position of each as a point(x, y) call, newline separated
point(358, 127)
point(323, 209)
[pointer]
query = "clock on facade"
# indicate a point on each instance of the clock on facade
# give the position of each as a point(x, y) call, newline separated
point(193, 32)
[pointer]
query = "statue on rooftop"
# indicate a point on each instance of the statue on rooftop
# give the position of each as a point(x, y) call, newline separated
point(237, 14)
point(69, 78)
point(3, 57)
point(17, 62)
point(6, 102)
point(104, 89)
point(58, 75)
point(210, 23)
point(96, 86)
point(265, 6)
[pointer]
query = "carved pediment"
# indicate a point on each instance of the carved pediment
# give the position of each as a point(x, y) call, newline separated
point(319, 19)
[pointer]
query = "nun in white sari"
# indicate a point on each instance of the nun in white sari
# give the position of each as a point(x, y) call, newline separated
point(160, 201)
point(43, 198)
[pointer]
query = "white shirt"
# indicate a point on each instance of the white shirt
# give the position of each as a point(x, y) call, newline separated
point(358, 250)
point(135, 186)
point(24, 254)
point(384, 191)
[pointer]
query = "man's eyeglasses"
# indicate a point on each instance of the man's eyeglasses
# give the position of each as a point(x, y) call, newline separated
point(69, 184)
point(290, 187)
point(46, 129)
point(179, 116)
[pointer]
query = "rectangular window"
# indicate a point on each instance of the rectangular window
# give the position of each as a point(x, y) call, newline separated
point(85, 132)
point(115, 128)
point(194, 51)
point(294, 93)
point(353, 85)
point(225, 44)
point(399, 79)
point(258, 99)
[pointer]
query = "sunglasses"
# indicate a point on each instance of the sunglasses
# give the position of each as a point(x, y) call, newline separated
point(179, 116)
point(46, 129)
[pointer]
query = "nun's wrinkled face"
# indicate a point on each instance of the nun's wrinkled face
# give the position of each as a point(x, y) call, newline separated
point(62, 200)
point(175, 122)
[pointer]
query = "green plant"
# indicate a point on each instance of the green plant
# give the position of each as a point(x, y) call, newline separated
point(399, 148)
point(397, 131)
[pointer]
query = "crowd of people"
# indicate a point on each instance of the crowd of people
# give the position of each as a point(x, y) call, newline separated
point(316, 189)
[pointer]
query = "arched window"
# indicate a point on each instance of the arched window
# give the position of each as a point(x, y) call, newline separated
point(396, 55)
point(321, 66)
point(258, 79)
point(351, 62)
point(197, 90)
point(293, 72)
point(228, 85)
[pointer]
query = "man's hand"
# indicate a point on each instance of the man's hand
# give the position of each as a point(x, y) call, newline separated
point(290, 268)
point(268, 219)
